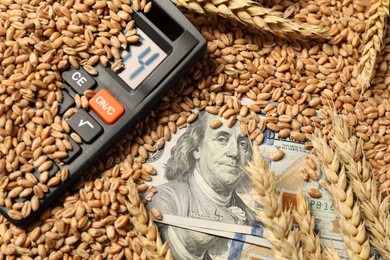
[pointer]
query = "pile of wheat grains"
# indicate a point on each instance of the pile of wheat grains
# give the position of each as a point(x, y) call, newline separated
point(102, 217)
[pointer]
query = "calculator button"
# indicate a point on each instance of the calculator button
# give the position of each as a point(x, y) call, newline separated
point(106, 106)
point(52, 171)
point(84, 125)
point(79, 80)
point(72, 154)
point(67, 102)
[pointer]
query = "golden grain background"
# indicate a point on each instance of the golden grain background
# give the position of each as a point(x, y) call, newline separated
point(304, 56)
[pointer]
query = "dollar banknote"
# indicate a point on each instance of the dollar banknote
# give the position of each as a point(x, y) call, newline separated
point(201, 185)
point(219, 230)
point(225, 248)
point(247, 240)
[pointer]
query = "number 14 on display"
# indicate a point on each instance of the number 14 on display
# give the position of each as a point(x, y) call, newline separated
point(141, 60)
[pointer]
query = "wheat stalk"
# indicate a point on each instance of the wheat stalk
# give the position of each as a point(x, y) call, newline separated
point(276, 220)
point(311, 242)
point(353, 230)
point(253, 14)
point(372, 40)
point(148, 236)
point(377, 217)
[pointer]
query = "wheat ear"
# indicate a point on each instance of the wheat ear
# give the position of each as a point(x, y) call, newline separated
point(310, 240)
point(276, 220)
point(353, 230)
point(372, 40)
point(312, 246)
point(251, 13)
point(377, 217)
point(147, 232)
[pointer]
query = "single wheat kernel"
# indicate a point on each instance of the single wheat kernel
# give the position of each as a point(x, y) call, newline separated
point(314, 193)
point(277, 155)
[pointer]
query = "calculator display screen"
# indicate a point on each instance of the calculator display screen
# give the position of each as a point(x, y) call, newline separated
point(140, 60)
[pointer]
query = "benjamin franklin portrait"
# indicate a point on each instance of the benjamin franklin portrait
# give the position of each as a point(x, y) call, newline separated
point(204, 179)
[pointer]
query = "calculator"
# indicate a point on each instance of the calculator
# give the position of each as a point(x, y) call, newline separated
point(169, 45)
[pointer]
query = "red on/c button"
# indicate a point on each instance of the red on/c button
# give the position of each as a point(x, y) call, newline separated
point(106, 106)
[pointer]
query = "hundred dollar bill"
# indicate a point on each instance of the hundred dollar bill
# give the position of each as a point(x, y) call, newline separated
point(244, 236)
point(218, 230)
point(201, 179)
point(223, 248)
point(248, 240)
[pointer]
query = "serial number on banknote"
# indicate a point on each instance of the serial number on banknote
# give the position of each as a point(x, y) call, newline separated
point(323, 205)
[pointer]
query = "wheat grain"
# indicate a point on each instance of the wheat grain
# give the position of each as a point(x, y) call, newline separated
point(277, 155)
point(314, 193)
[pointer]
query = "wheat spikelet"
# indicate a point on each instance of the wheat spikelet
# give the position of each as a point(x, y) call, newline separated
point(276, 220)
point(253, 14)
point(311, 242)
point(377, 217)
point(147, 232)
point(330, 254)
point(353, 230)
point(372, 41)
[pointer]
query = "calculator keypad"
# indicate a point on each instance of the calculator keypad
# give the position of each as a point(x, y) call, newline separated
point(103, 103)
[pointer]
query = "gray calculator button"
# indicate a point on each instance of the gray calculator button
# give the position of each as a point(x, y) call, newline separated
point(84, 125)
point(79, 80)
point(72, 154)
point(67, 102)
point(52, 171)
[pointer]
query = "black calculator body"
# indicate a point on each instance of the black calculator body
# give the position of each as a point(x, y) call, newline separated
point(170, 45)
